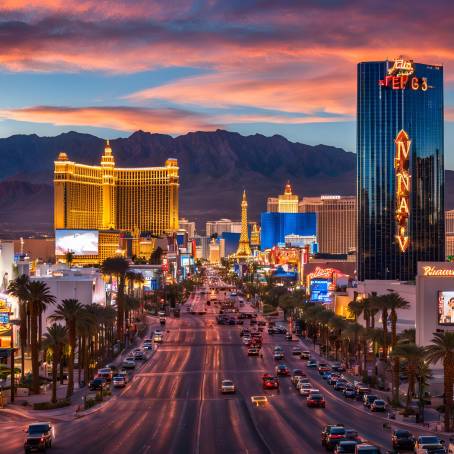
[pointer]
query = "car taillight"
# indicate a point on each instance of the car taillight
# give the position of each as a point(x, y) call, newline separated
point(42, 439)
point(336, 436)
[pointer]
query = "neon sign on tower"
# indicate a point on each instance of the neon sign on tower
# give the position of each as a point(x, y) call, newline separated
point(401, 167)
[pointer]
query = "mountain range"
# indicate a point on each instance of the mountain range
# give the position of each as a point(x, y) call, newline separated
point(214, 169)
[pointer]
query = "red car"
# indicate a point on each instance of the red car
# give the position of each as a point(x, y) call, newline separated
point(315, 401)
point(270, 382)
point(283, 370)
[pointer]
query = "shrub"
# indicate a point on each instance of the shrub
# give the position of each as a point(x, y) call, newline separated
point(51, 405)
point(89, 403)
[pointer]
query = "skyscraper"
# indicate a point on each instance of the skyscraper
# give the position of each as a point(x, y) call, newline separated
point(284, 203)
point(107, 197)
point(336, 222)
point(399, 168)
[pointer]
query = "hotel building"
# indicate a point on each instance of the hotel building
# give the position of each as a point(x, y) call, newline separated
point(284, 203)
point(400, 174)
point(114, 200)
point(449, 235)
point(336, 222)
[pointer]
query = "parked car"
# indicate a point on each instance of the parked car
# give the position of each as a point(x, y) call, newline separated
point(139, 355)
point(148, 344)
point(40, 436)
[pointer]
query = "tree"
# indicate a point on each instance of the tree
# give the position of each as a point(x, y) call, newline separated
point(69, 257)
point(70, 310)
point(38, 297)
point(393, 301)
point(355, 309)
point(118, 266)
point(442, 350)
point(412, 354)
point(382, 302)
point(54, 341)
point(18, 288)
point(156, 256)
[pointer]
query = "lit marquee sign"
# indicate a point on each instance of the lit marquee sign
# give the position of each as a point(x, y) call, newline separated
point(401, 167)
point(398, 77)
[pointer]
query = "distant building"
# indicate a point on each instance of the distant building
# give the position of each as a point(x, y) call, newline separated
point(336, 222)
point(188, 226)
point(449, 233)
point(276, 226)
point(284, 203)
point(222, 225)
point(216, 250)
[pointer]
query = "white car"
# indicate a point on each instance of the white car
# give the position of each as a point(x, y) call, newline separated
point(302, 381)
point(227, 387)
point(118, 381)
point(157, 338)
point(129, 363)
point(305, 389)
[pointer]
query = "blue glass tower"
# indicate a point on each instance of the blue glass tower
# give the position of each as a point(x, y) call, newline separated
point(275, 226)
point(400, 172)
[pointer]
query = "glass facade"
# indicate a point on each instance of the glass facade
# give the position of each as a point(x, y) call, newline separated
point(401, 101)
point(276, 226)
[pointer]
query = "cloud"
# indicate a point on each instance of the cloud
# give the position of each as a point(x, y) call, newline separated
point(165, 120)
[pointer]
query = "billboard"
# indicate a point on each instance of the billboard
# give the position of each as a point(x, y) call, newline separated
point(79, 242)
point(320, 290)
point(446, 307)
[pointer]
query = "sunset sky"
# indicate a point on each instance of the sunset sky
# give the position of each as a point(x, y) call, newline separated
point(272, 67)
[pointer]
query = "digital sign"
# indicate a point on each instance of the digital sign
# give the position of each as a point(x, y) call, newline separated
point(320, 290)
point(79, 242)
point(446, 308)
point(4, 318)
point(401, 167)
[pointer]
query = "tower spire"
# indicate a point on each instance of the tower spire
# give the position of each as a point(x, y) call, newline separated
point(244, 249)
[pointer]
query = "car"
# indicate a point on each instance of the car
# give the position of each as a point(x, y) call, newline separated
point(333, 377)
point(118, 381)
point(296, 351)
point(105, 372)
point(296, 375)
point(253, 322)
point(312, 364)
point(340, 385)
point(40, 436)
point(325, 375)
point(349, 392)
point(162, 321)
point(278, 356)
point(337, 367)
point(271, 330)
point(157, 338)
point(158, 332)
point(129, 363)
point(124, 374)
point(361, 391)
point(378, 405)
point(97, 384)
point(148, 344)
point(139, 355)
point(315, 401)
point(270, 382)
point(288, 337)
point(331, 435)
point(428, 442)
point(302, 381)
point(352, 435)
point(345, 446)
point(305, 354)
point(305, 389)
point(227, 387)
point(282, 370)
point(322, 367)
point(368, 399)
point(365, 448)
point(253, 351)
point(402, 439)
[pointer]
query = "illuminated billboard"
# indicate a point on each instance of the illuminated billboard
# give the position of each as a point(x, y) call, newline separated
point(320, 290)
point(79, 242)
point(446, 307)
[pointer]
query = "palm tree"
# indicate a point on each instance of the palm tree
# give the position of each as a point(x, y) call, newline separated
point(38, 297)
point(70, 310)
point(382, 302)
point(69, 257)
point(118, 266)
point(393, 302)
point(355, 309)
point(412, 354)
point(18, 288)
point(442, 349)
point(55, 341)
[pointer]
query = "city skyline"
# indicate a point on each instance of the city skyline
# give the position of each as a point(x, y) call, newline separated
point(174, 69)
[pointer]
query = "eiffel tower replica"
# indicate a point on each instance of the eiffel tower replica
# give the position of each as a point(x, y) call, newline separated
point(244, 249)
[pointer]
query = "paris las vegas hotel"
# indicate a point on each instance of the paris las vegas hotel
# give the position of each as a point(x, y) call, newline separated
point(108, 204)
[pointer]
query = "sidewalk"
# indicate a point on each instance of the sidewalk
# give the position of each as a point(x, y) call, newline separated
point(69, 412)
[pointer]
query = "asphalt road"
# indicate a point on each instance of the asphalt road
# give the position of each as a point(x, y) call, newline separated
point(173, 405)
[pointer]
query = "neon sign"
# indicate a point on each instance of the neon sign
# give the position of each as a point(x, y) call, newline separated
point(398, 77)
point(437, 272)
point(401, 166)
point(401, 67)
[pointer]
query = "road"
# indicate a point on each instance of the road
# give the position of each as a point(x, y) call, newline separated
point(173, 404)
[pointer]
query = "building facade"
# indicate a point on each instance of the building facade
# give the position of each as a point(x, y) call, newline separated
point(400, 171)
point(188, 226)
point(108, 197)
point(449, 234)
point(284, 203)
point(336, 222)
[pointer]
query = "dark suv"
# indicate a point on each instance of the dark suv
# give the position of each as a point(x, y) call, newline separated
point(40, 436)
point(98, 384)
